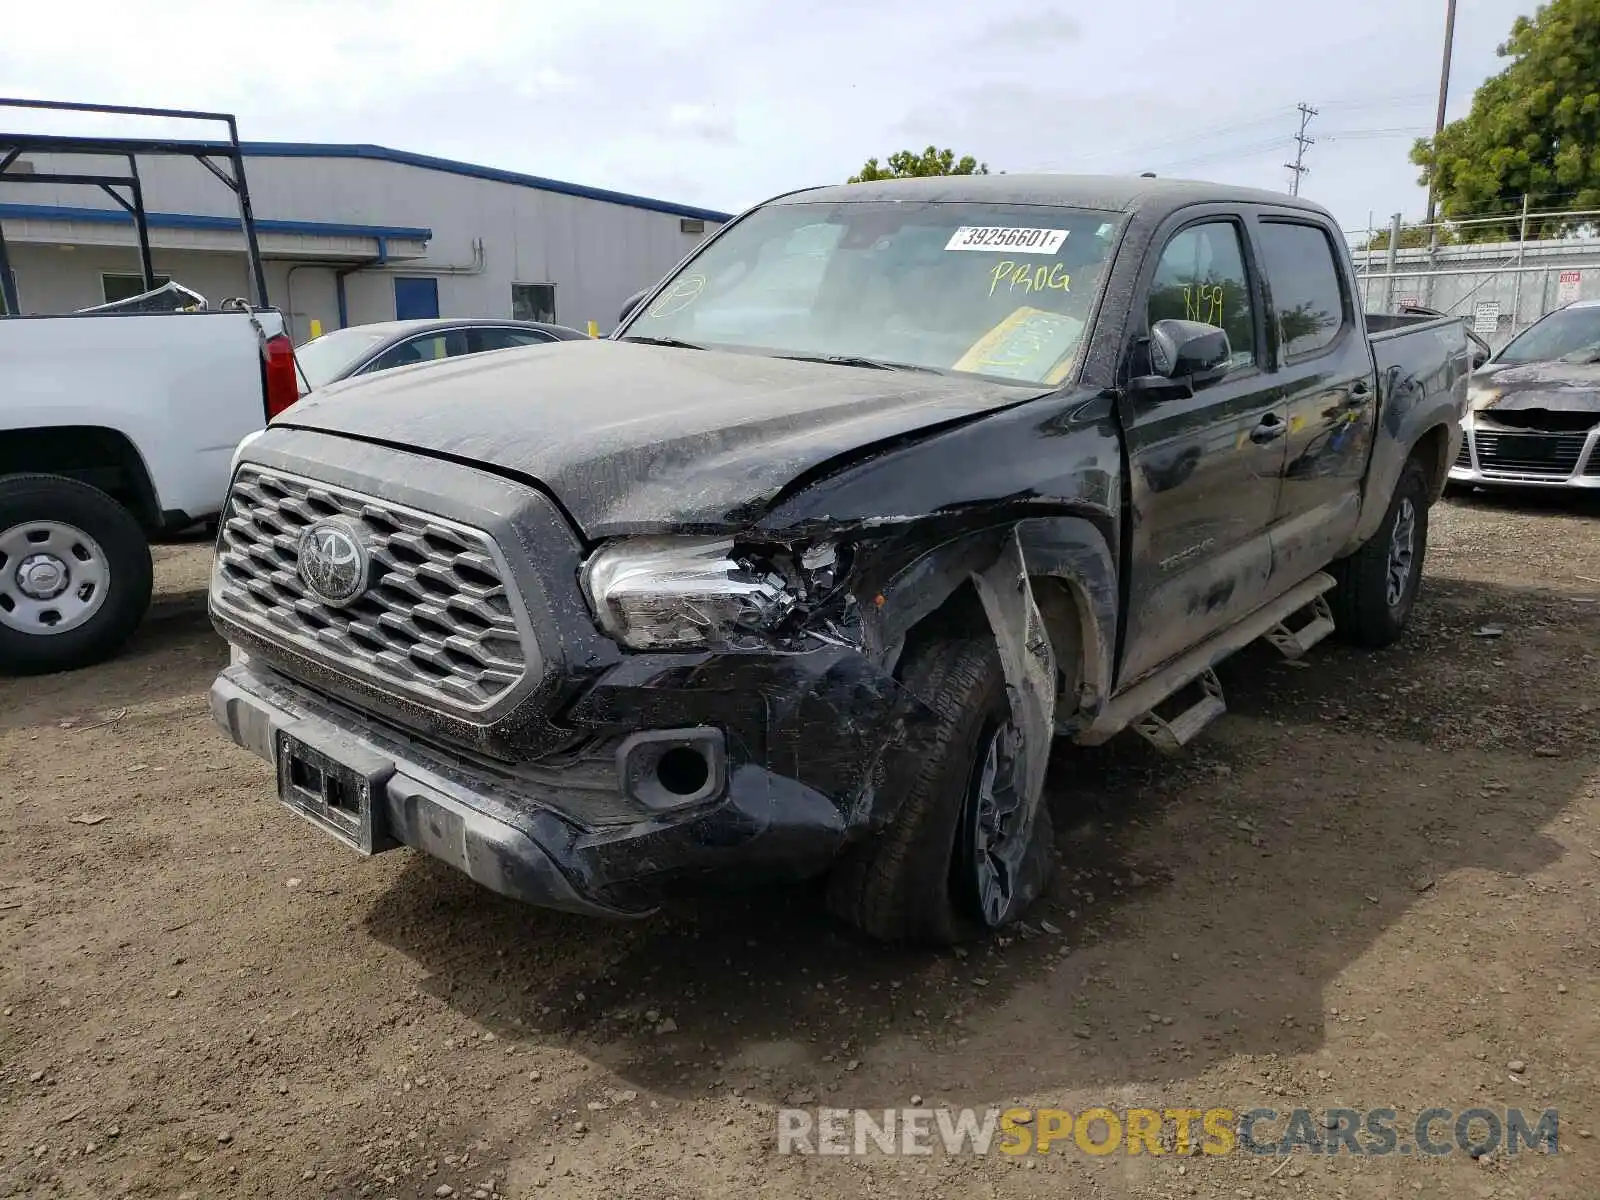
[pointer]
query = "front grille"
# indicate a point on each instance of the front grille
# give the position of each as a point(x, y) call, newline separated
point(437, 622)
point(1464, 455)
point(1549, 454)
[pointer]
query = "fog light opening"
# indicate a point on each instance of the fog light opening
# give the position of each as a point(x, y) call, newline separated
point(683, 770)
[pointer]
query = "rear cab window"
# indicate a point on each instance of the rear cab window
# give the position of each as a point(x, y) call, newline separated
point(1309, 307)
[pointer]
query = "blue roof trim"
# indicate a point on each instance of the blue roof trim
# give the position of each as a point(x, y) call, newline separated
point(160, 220)
point(472, 170)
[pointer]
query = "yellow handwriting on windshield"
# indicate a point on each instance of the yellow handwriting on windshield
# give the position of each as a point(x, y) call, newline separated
point(1028, 277)
point(680, 295)
point(1204, 302)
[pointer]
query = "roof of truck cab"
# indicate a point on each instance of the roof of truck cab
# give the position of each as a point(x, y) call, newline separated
point(1114, 193)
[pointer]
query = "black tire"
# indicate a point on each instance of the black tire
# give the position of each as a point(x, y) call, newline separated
point(915, 881)
point(1366, 612)
point(125, 597)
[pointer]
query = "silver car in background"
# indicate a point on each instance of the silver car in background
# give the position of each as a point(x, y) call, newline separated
point(1533, 411)
point(384, 345)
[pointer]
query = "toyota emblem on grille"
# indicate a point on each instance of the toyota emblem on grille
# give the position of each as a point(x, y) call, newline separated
point(333, 562)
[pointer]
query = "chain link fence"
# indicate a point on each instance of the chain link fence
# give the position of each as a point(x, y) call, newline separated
point(1501, 287)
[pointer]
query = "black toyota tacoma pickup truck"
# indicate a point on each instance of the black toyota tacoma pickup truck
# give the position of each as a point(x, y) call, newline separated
point(884, 490)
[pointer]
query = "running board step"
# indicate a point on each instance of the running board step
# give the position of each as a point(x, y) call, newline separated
point(1131, 705)
point(1295, 642)
point(1172, 736)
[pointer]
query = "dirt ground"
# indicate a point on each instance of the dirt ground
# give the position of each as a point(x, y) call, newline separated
point(1371, 884)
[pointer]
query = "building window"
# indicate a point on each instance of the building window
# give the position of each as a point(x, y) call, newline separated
point(691, 225)
point(120, 287)
point(533, 302)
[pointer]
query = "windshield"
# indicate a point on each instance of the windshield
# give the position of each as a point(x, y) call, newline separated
point(324, 359)
point(986, 289)
point(1566, 332)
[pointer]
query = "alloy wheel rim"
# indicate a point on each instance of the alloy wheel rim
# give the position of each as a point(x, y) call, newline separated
point(997, 825)
point(1402, 552)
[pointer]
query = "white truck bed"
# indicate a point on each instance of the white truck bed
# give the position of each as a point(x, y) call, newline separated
point(181, 387)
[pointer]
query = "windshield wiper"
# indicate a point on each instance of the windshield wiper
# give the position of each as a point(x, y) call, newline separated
point(856, 360)
point(661, 341)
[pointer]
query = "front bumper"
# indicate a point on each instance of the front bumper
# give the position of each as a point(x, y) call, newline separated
point(1476, 465)
point(539, 833)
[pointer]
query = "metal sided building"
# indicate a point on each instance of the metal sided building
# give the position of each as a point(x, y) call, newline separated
point(351, 234)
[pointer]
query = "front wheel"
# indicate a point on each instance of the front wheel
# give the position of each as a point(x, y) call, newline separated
point(963, 855)
point(1377, 585)
point(75, 574)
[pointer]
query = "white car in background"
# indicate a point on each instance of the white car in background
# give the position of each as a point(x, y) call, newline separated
point(1533, 411)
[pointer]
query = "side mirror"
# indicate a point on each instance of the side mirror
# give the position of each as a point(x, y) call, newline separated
point(1185, 356)
point(1478, 359)
point(631, 303)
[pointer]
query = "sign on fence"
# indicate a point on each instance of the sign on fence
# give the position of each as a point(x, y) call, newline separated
point(1486, 317)
point(1571, 283)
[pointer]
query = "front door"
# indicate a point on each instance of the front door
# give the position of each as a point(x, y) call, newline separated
point(1205, 470)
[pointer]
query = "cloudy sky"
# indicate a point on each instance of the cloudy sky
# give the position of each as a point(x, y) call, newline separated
point(725, 102)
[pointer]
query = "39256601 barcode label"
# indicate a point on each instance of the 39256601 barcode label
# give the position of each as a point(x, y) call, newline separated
point(1006, 239)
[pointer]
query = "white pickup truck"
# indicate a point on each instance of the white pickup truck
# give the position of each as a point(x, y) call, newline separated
point(118, 427)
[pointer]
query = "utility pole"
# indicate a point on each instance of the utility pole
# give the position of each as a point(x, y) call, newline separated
point(1298, 168)
point(1444, 96)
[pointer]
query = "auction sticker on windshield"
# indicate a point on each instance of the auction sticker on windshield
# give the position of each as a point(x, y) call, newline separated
point(1014, 239)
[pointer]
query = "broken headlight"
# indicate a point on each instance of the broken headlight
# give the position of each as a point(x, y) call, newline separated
point(680, 592)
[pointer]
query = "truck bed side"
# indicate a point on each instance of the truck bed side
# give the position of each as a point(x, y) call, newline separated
point(1422, 363)
point(180, 388)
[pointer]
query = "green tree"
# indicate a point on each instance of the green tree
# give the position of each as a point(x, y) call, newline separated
point(1534, 128)
point(908, 164)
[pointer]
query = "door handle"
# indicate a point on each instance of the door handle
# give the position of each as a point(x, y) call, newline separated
point(1271, 428)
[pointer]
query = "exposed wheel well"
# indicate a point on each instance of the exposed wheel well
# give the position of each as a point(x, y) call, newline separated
point(102, 458)
point(962, 614)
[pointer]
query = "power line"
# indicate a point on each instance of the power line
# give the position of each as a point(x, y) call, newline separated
point(1298, 168)
point(1139, 156)
point(1357, 135)
point(1224, 153)
point(1185, 137)
point(1396, 100)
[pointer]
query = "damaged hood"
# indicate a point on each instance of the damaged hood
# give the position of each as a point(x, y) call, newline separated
point(1554, 386)
point(634, 438)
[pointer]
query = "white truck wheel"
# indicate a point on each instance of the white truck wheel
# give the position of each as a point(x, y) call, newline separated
point(75, 574)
